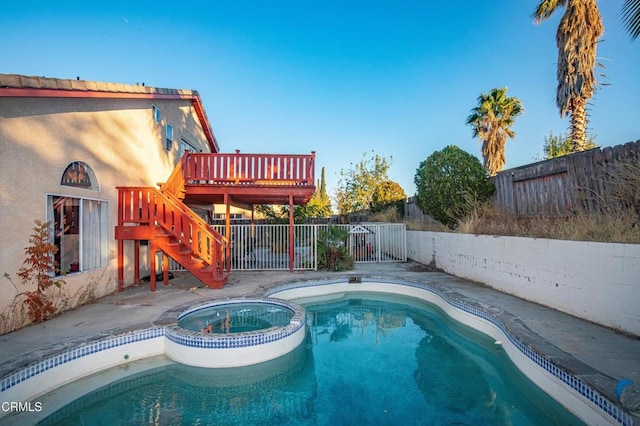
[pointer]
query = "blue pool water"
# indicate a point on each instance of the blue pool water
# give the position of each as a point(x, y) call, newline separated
point(365, 361)
point(236, 318)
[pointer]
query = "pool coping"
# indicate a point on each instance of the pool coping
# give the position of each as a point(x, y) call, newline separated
point(554, 360)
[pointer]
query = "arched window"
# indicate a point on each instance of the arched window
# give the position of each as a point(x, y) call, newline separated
point(80, 225)
point(79, 175)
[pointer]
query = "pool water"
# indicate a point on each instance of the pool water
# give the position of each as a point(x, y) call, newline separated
point(365, 361)
point(236, 318)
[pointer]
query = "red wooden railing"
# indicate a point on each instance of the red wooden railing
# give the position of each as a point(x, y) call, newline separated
point(176, 184)
point(249, 169)
point(240, 169)
point(148, 206)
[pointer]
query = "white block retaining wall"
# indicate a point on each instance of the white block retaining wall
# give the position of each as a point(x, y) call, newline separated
point(599, 282)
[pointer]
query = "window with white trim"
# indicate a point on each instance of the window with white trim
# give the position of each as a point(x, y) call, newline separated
point(169, 140)
point(156, 113)
point(185, 146)
point(80, 230)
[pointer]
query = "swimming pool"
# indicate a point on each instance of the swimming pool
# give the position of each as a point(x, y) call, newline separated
point(367, 359)
point(567, 389)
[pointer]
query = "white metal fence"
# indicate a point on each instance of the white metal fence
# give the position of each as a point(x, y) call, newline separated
point(376, 242)
point(266, 247)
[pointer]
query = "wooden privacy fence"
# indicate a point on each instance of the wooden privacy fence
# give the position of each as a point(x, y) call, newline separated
point(592, 181)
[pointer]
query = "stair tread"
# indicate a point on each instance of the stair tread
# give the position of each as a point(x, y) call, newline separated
point(178, 246)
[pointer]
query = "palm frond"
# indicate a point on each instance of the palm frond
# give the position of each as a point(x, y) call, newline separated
point(546, 8)
point(631, 17)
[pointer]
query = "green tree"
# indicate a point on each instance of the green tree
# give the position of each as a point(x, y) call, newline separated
point(274, 214)
point(319, 205)
point(631, 17)
point(557, 146)
point(385, 194)
point(448, 182)
point(577, 40)
point(358, 184)
point(491, 121)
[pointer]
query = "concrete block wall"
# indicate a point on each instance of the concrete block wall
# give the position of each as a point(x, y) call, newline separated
point(599, 282)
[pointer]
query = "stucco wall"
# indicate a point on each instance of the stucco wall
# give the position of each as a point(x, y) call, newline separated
point(117, 138)
point(599, 282)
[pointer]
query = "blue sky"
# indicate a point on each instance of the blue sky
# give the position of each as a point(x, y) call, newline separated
point(340, 78)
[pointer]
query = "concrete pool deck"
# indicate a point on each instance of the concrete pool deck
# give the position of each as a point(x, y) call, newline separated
point(598, 355)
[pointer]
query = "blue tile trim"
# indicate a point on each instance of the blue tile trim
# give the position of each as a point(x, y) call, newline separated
point(32, 370)
point(599, 401)
point(196, 339)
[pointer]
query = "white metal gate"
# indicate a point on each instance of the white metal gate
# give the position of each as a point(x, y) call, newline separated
point(266, 247)
point(377, 242)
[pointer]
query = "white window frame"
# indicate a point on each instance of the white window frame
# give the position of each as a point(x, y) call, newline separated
point(155, 111)
point(169, 137)
point(186, 145)
point(86, 260)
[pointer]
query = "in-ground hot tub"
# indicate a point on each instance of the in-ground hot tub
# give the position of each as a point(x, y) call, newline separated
point(235, 332)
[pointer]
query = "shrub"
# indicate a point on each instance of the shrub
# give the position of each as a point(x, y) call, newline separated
point(39, 267)
point(333, 251)
point(449, 182)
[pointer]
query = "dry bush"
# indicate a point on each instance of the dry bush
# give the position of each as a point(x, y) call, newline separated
point(16, 315)
point(391, 215)
point(388, 215)
point(617, 221)
point(426, 225)
point(618, 225)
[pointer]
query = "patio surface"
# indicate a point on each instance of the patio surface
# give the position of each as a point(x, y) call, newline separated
point(598, 355)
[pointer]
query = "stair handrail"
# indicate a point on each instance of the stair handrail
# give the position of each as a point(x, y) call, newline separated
point(193, 215)
point(214, 255)
point(175, 184)
point(149, 206)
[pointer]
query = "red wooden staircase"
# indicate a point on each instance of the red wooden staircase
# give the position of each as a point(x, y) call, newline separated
point(162, 216)
point(147, 214)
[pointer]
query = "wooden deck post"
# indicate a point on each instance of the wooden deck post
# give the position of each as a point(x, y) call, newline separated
point(227, 230)
point(136, 260)
point(120, 265)
point(292, 244)
point(152, 263)
point(165, 268)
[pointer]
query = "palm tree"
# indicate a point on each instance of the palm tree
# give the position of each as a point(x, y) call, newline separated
point(631, 17)
point(576, 38)
point(491, 121)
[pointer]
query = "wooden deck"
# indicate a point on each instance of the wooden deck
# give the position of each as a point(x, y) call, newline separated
point(162, 217)
point(245, 179)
